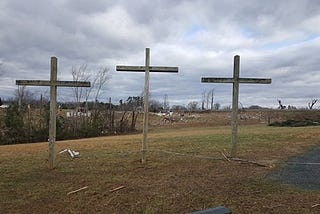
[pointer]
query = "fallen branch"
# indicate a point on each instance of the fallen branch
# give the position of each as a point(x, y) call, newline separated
point(315, 205)
point(210, 158)
point(225, 157)
point(77, 190)
point(117, 188)
point(183, 154)
point(247, 161)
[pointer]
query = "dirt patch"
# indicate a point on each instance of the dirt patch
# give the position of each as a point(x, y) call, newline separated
point(302, 171)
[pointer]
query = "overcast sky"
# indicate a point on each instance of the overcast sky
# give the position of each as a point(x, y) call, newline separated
point(275, 39)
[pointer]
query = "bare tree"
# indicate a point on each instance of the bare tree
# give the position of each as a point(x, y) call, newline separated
point(135, 102)
point(211, 95)
point(22, 95)
point(166, 105)
point(97, 83)
point(193, 105)
point(280, 105)
point(312, 103)
point(100, 80)
point(241, 106)
point(203, 100)
point(80, 74)
point(19, 94)
point(155, 105)
point(207, 100)
point(216, 106)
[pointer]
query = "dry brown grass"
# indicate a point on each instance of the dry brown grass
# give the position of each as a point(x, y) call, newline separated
point(167, 183)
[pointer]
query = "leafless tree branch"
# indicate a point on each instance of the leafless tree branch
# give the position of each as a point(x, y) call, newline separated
point(312, 103)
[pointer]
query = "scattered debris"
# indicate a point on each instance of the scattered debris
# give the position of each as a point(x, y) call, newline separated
point(117, 188)
point(75, 191)
point(71, 153)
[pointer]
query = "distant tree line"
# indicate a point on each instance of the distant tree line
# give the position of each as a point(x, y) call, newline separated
point(28, 121)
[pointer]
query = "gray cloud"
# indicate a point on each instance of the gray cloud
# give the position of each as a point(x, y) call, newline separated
point(277, 39)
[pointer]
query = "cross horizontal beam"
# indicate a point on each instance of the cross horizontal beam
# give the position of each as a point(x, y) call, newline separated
point(56, 83)
point(232, 80)
point(143, 68)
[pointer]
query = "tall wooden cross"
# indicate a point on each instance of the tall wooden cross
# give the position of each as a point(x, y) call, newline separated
point(53, 83)
point(235, 97)
point(147, 68)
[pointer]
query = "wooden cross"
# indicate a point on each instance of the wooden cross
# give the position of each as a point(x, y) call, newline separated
point(147, 68)
point(53, 83)
point(235, 97)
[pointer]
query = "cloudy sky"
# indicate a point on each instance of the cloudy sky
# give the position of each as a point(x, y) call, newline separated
point(276, 39)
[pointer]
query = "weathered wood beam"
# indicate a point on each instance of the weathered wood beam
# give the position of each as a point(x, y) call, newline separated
point(143, 68)
point(217, 80)
point(254, 81)
point(49, 83)
point(231, 80)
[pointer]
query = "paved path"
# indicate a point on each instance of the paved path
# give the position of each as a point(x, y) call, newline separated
point(301, 171)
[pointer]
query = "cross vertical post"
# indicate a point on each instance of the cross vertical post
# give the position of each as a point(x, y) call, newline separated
point(236, 80)
point(235, 101)
point(147, 69)
point(146, 106)
point(53, 83)
point(53, 110)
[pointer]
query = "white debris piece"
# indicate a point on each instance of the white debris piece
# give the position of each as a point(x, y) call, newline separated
point(62, 151)
point(73, 154)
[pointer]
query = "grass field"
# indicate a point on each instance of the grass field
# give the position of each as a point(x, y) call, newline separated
point(168, 182)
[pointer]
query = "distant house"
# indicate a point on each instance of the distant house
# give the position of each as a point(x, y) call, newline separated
point(4, 106)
